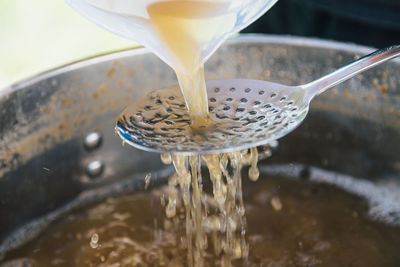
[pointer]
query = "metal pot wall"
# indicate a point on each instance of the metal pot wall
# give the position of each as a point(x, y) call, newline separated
point(57, 143)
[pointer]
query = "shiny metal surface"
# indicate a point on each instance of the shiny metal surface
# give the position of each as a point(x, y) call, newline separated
point(92, 141)
point(244, 112)
point(95, 168)
point(353, 128)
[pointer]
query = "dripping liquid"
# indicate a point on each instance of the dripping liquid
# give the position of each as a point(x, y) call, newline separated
point(184, 27)
point(215, 220)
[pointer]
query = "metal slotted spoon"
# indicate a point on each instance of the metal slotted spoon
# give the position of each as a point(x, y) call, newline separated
point(245, 113)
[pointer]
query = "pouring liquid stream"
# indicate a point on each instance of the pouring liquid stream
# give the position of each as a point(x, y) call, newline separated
point(184, 27)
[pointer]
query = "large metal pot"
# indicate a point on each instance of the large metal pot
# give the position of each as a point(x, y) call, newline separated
point(57, 143)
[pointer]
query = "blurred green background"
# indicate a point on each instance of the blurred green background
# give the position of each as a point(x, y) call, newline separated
point(37, 35)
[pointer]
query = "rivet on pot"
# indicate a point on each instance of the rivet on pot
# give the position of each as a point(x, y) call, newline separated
point(95, 168)
point(92, 141)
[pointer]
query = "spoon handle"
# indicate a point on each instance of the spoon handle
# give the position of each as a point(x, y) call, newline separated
point(346, 72)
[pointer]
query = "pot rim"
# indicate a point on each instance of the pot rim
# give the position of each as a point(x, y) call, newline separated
point(241, 38)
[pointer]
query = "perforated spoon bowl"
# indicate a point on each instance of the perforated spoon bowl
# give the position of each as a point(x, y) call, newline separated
point(244, 112)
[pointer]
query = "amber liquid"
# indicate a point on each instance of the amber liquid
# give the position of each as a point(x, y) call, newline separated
point(185, 27)
point(214, 220)
point(290, 222)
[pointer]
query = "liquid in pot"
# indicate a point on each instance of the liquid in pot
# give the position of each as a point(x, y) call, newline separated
point(289, 223)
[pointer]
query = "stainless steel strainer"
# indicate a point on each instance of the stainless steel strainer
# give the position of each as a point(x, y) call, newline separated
point(245, 113)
